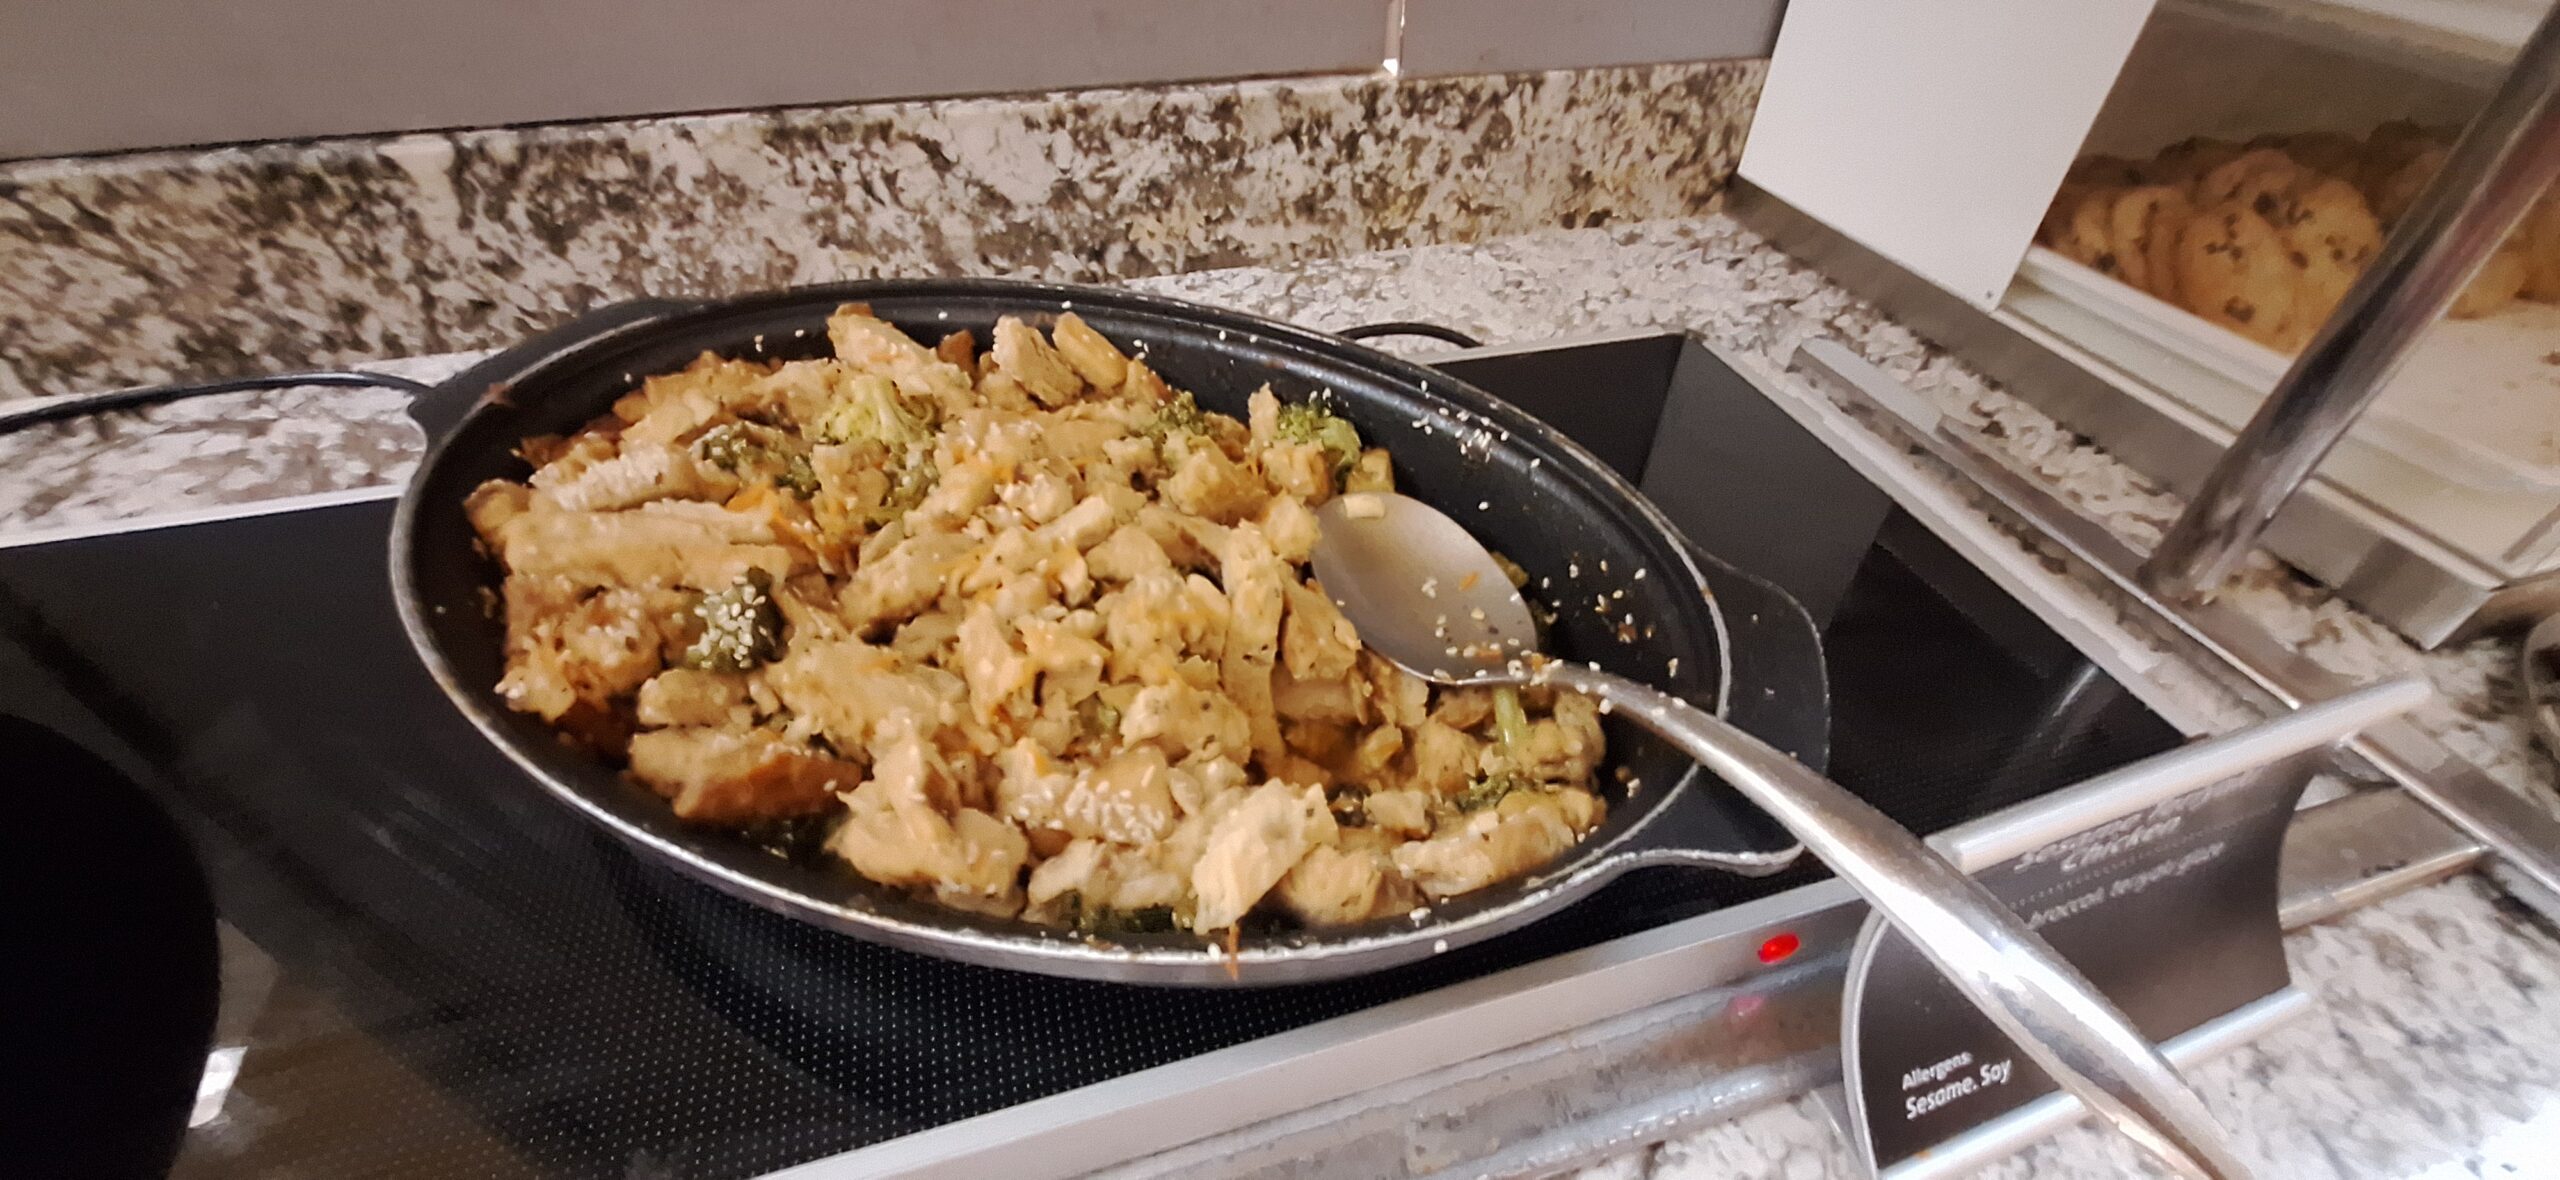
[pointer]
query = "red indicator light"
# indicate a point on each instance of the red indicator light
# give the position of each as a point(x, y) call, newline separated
point(1778, 947)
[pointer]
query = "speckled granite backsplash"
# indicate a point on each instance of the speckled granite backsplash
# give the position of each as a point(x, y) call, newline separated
point(158, 266)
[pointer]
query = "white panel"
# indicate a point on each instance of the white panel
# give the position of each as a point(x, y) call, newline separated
point(1935, 131)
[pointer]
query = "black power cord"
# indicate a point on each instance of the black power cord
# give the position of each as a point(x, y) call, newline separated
point(1411, 328)
point(55, 409)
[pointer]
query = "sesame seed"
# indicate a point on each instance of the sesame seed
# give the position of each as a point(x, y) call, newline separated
point(1573, 570)
point(1675, 666)
point(1440, 947)
point(1476, 613)
point(1604, 565)
point(1481, 505)
point(1639, 573)
point(1607, 707)
point(1431, 587)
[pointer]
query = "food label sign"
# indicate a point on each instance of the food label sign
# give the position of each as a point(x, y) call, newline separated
point(2171, 911)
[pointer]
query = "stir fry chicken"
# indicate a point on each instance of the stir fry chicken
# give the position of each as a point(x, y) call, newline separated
point(1032, 628)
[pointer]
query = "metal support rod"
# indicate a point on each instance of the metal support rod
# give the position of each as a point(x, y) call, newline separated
point(2504, 160)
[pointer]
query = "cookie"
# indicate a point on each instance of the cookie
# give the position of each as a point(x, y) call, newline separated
point(2539, 235)
point(2320, 284)
point(2087, 239)
point(2095, 171)
point(2055, 229)
point(2496, 285)
point(2401, 191)
point(2186, 160)
point(2142, 228)
point(2325, 152)
point(2234, 270)
point(2329, 238)
point(2386, 150)
point(2329, 217)
point(2261, 179)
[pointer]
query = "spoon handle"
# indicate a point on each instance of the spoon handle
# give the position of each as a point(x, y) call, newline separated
point(2043, 1003)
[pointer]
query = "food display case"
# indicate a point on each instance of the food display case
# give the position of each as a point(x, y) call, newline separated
point(2139, 215)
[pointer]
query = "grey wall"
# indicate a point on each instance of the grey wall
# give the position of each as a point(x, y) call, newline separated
point(112, 75)
point(1494, 36)
point(100, 75)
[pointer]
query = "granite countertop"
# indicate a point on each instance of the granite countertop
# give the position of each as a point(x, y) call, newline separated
point(2434, 1045)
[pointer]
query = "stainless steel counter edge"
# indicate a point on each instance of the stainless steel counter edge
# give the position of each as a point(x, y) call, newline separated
point(2216, 638)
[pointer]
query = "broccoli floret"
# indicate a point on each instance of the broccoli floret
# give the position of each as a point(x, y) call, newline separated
point(751, 451)
point(741, 627)
point(797, 476)
point(1181, 414)
point(1489, 790)
point(871, 410)
point(1103, 921)
point(1097, 718)
point(911, 479)
point(1307, 422)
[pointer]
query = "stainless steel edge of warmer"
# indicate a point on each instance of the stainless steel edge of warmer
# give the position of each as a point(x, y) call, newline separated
point(1254, 1083)
point(2388, 566)
point(2214, 635)
point(1615, 1079)
point(1720, 1053)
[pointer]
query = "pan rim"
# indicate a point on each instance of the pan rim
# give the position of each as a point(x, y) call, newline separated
point(1267, 962)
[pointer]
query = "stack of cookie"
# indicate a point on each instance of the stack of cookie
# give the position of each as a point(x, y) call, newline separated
point(2264, 238)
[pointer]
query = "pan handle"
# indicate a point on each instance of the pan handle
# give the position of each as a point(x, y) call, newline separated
point(438, 410)
point(2054, 1014)
point(80, 405)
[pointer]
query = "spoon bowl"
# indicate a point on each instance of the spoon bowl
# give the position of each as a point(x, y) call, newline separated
point(1422, 590)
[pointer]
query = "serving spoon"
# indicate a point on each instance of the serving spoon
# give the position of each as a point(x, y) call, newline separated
point(1428, 597)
